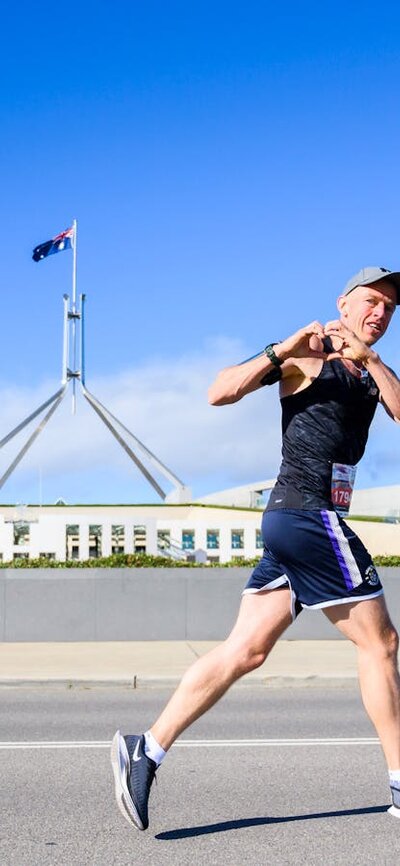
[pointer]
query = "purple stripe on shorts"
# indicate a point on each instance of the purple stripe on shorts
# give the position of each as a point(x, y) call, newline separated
point(339, 555)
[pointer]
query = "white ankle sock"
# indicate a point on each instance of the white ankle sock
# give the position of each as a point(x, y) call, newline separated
point(394, 778)
point(152, 749)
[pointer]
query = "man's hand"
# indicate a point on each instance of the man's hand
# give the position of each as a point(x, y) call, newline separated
point(305, 343)
point(346, 343)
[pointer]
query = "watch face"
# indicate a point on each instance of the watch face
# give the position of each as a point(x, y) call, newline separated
point(269, 350)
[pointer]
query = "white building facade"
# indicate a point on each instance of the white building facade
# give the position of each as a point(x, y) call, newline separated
point(206, 531)
point(80, 532)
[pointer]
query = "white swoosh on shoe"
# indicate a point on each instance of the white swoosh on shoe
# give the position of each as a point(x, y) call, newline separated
point(136, 756)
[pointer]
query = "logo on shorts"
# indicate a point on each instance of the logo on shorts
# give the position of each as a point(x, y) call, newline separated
point(371, 575)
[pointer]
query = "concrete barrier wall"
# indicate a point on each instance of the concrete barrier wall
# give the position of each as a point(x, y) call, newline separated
point(141, 604)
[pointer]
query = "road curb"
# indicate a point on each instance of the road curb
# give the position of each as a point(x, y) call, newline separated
point(139, 682)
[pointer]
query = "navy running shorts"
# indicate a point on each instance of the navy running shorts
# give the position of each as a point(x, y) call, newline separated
point(317, 556)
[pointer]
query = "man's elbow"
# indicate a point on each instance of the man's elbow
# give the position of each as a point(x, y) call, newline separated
point(224, 389)
point(217, 397)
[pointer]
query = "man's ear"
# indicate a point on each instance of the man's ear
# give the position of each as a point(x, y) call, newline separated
point(341, 304)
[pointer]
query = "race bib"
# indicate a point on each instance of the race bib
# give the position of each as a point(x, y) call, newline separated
point(342, 484)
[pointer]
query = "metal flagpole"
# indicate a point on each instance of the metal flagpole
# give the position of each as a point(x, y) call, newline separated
point(74, 250)
point(64, 376)
point(82, 339)
point(33, 415)
point(74, 314)
point(149, 454)
point(34, 435)
point(98, 408)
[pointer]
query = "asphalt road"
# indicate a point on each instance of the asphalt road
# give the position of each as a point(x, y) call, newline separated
point(262, 779)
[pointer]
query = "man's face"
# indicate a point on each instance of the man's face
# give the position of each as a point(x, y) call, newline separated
point(367, 310)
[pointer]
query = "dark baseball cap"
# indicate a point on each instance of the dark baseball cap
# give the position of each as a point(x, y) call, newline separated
point(367, 276)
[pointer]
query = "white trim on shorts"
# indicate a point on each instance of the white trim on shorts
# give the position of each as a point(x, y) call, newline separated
point(284, 581)
point(275, 584)
point(334, 601)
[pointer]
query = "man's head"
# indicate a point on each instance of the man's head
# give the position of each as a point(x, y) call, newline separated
point(369, 301)
point(367, 276)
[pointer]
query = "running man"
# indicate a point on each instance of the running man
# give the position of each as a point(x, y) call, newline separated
point(331, 379)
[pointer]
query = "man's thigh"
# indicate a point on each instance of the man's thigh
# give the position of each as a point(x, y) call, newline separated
point(263, 617)
point(362, 622)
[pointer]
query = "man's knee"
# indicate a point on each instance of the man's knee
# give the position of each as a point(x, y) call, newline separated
point(392, 642)
point(387, 645)
point(252, 660)
point(246, 656)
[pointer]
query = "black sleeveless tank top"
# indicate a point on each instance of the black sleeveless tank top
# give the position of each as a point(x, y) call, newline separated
point(326, 423)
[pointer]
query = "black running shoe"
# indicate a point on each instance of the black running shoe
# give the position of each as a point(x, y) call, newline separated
point(133, 775)
point(395, 807)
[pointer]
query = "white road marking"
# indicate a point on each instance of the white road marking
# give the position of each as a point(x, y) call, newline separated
point(196, 744)
point(57, 744)
point(312, 741)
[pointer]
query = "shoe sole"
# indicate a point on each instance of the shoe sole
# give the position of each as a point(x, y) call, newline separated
point(121, 765)
point(395, 811)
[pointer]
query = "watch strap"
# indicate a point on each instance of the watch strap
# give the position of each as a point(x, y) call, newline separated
point(269, 351)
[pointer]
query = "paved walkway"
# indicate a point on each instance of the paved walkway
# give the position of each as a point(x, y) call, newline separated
point(145, 663)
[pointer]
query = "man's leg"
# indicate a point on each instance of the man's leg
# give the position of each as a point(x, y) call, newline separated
point(262, 619)
point(368, 625)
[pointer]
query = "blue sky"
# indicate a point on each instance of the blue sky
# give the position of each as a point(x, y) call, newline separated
point(230, 167)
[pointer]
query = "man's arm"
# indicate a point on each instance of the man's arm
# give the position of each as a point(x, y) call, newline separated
point(233, 383)
point(354, 349)
point(388, 385)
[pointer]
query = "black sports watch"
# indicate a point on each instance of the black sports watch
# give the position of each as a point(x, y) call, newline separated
point(269, 351)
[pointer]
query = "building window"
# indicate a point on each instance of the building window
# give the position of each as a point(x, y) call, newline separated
point(213, 559)
point(50, 556)
point(118, 538)
point(21, 532)
point(187, 539)
point(95, 535)
point(163, 539)
point(139, 539)
point(72, 541)
point(21, 555)
point(212, 539)
point(259, 539)
point(237, 536)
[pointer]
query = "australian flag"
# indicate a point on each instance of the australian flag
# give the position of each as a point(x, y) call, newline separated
point(63, 241)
